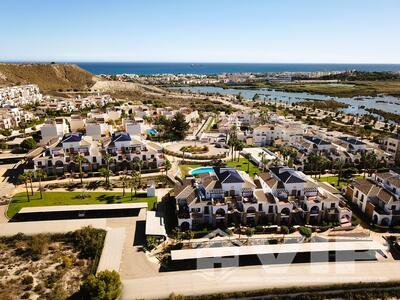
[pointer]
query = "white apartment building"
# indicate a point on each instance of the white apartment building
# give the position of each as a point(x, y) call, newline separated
point(77, 123)
point(378, 197)
point(225, 197)
point(61, 158)
point(97, 128)
point(53, 129)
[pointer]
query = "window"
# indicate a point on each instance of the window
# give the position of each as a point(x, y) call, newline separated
point(332, 205)
point(270, 209)
point(94, 159)
point(260, 206)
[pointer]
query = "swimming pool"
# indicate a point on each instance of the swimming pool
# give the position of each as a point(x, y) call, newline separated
point(152, 131)
point(201, 170)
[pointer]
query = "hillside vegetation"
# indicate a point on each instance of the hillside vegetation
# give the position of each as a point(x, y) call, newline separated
point(49, 77)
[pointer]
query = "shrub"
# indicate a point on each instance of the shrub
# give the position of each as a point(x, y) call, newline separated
point(151, 243)
point(106, 285)
point(29, 144)
point(259, 228)
point(89, 241)
point(58, 293)
point(67, 262)
point(27, 280)
point(284, 229)
point(305, 231)
point(38, 245)
point(249, 231)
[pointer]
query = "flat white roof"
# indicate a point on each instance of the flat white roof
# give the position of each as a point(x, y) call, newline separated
point(57, 226)
point(154, 224)
point(255, 152)
point(271, 249)
point(83, 207)
point(112, 250)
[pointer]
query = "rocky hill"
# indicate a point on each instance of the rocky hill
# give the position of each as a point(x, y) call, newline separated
point(49, 77)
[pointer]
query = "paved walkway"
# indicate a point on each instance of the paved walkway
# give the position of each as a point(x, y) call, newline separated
point(200, 282)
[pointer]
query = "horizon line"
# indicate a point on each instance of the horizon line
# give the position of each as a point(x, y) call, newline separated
point(189, 62)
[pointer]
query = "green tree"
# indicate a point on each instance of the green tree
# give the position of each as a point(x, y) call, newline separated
point(106, 173)
point(178, 127)
point(89, 241)
point(25, 180)
point(29, 144)
point(168, 166)
point(29, 174)
point(106, 285)
point(79, 159)
point(40, 174)
point(138, 165)
point(339, 167)
point(124, 179)
point(134, 182)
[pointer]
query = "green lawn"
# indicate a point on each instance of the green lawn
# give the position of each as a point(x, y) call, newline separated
point(243, 165)
point(186, 168)
point(72, 198)
point(333, 181)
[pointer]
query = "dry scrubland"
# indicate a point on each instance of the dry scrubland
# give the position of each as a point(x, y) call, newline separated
point(47, 76)
point(45, 266)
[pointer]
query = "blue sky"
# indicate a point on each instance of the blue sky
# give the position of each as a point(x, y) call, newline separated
point(277, 31)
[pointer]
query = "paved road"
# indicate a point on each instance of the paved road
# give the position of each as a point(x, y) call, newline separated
point(258, 277)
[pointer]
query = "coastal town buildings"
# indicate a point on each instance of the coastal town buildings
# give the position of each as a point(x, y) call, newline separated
point(224, 196)
point(53, 130)
point(378, 197)
point(392, 146)
point(120, 146)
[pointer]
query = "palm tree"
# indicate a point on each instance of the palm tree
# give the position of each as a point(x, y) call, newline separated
point(262, 155)
point(124, 179)
point(134, 182)
point(107, 158)
point(239, 147)
point(139, 164)
point(371, 161)
point(25, 180)
point(29, 174)
point(339, 167)
point(312, 160)
point(79, 160)
point(232, 140)
point(106, 174)
point(167, 166)
point(40, 174)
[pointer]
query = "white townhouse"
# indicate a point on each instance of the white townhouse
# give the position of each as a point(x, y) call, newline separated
point(378, 197)
point(53, 129)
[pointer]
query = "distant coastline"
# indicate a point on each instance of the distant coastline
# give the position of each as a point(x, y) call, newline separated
point(218, 68)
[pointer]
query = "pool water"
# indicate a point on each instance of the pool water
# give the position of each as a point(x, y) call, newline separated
point(152, 131)
point(201, 170)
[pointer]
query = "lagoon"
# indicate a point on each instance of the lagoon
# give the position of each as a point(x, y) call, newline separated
point(357, 104)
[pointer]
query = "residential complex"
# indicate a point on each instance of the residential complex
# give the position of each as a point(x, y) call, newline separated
point(378, 197)
point(283, 196)
point(122, 148)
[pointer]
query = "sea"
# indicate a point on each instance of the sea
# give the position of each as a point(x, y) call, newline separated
point(218, 68)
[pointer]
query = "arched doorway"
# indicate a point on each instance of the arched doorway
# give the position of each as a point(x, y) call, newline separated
point(285, 211)
point(385, 222)
point(185, 226)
